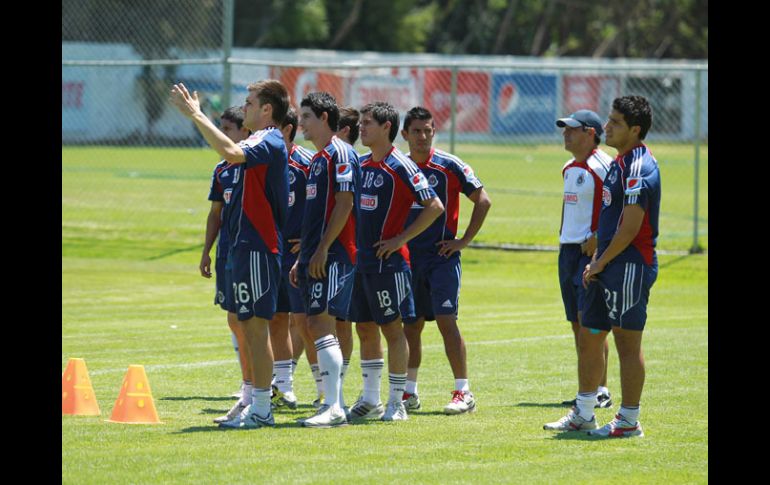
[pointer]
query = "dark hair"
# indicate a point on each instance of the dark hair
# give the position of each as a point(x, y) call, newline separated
point(272, 92)
point(382, 112)
point(416, 113)
point(233, 114)
point(322, 102)
point(349, 117)
point(290, 118)
point(636, 111)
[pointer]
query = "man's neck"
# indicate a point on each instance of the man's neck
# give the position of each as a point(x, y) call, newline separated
point(380, 150)
point(628, 147)
point(582, 155)
point(419, 157)
point(322, 140)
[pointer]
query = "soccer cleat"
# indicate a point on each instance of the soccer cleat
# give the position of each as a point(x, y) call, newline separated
point(319, 402)
point(411, 401)
point(572, 422)
point(237, 394)
point(604, 401)
point(287, 399)
point(233, 413)
point(326, 417)
point(395, 412)
point(571, 403)
point(363, 410)
point(462, 402)
point(619, 428)
point(249, 419)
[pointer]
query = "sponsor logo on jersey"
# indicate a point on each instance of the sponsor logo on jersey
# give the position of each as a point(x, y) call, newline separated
point(419, 182)
point(570, 198)
point(606, 196)
point(310, 191)
point(432, 180)
point(344, 173)
point(228, 193)
point(291, 198)
point(368, 202)
point(224, 174)
point(292, 177)
point(581, 179)
point(379, 181)
point(634, 186)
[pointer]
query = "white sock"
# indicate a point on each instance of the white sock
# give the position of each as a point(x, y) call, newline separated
point(585, 404)
point(397, 385)
point(330, 364)
point(261, 401)
point(371, 370)
point(345, 365)
point(411, 386)
point(247, 389)
point(631, 414)
point(283, 375)
point(462, 385)
point(603, 390)
point(293, 366)
point(319, 385)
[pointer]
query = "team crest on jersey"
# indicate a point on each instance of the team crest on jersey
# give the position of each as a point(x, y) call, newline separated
point(634, 186)
point(292, 177)
point(310, 191)
point(318, 168)
point(606, 196)
point(378, 181)
point(344, 173)
point(291, 198)
point(581, 179)
point(432, 180)
point(368, 202)
point(419, 182)
point(227, 195)
point(613, 176)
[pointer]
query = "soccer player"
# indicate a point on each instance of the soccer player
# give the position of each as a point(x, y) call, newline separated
point(231, 123)
point(327, 258)
point(583, 177)
point(289, 297)
point(390, 184)
point(435, 258)
point(256, 214)
point(621, 273)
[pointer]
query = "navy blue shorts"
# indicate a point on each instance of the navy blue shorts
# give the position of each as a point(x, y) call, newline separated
point(256, 279)
point(619, 297)
point(436, 288)
point(382, 297)
point(224, 295)
point(331, 294)
point(289, 298)
point(572, 262)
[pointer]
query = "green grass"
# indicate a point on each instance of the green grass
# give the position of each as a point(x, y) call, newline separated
point(131, 294)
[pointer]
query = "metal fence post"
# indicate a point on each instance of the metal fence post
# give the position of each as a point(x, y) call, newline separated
point(227, 47)
point(696, 248)
point(453, 110)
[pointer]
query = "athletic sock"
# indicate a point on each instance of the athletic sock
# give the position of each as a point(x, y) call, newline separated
point(371, 371)
point(261, 401)
point(247, 390)
point(293, 366)
point(345, 365)
point(585, 404)
point(330, 364)
point(411, 387)
point(397, 385)
point(630, 413)
point(462, 385)
point(319, 386)
point(283, 378)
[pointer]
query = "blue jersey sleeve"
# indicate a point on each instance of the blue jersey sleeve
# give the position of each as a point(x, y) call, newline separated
point(216, 193)
point(344, 165)
point(642, 184)
point(464, 173)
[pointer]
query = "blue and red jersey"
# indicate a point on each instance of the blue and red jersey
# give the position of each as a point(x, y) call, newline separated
point(258, 205)
point(633, 178)
point(299, 170)
point(333, 169)
point(448, 176)
point(221, 180)
point(388, 189)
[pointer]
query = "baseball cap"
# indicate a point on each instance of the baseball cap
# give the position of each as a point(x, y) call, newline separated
point(583, 117)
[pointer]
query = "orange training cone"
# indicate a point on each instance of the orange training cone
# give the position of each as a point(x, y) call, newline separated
point(77, 394)
point(134, 404)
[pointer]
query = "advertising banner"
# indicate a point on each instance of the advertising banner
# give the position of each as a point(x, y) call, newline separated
point(523, 103)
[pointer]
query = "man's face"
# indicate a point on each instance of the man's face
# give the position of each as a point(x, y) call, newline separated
point(618, 133)
point(252, 112)
point(232, 131)
point(419, 135)
point(310, 124)
point(372, 132)
point(577, 139)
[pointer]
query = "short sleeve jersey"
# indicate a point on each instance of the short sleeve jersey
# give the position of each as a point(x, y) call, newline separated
point(388, 189)
point(260, 195)
point(447, 175)
point(582, 200)
point(299, 169)
point(333, 169)
point(633, 178)
point(221, 180)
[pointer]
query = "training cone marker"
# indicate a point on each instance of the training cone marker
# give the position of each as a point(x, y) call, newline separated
point(77, 394)
point(134, 404)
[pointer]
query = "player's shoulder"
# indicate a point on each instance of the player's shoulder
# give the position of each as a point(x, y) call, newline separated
point(640, 161)
point(342, 151)
point(396, 159)
point(447, 159)
point(600, 162)
point(302, 155)
point(567, 164)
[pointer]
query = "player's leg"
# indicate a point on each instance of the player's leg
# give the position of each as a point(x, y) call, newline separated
point(282, 380)
point(297, 344)
point(244, 357)
point(344, 329)
point(570, 282)
point(413, 334)
point(223, 298)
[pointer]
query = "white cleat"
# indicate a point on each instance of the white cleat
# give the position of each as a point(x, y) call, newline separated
point(395, 412)
point(249, 419)
point(326, 417)
point(619, 428)
point(364, 410)
point(572, 422)
point(233, 413)
point(462, 402)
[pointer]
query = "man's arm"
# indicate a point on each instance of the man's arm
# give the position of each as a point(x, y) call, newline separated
point(481, 205)
point(213, 222)
point(632, 218)
point(432, 208)
point(190, 107)
point(343, 204)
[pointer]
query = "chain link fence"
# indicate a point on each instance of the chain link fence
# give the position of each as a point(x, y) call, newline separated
point(131, 162)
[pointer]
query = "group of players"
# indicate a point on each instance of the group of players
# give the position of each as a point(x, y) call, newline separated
point(320, 240)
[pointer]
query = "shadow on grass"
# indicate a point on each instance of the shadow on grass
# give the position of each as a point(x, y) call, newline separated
point(576, 436)
point(541, 405)
point(197, 398)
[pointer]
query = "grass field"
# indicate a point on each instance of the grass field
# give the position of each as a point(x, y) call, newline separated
point(132, 227)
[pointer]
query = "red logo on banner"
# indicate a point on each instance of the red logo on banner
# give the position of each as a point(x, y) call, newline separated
point(508, 98)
